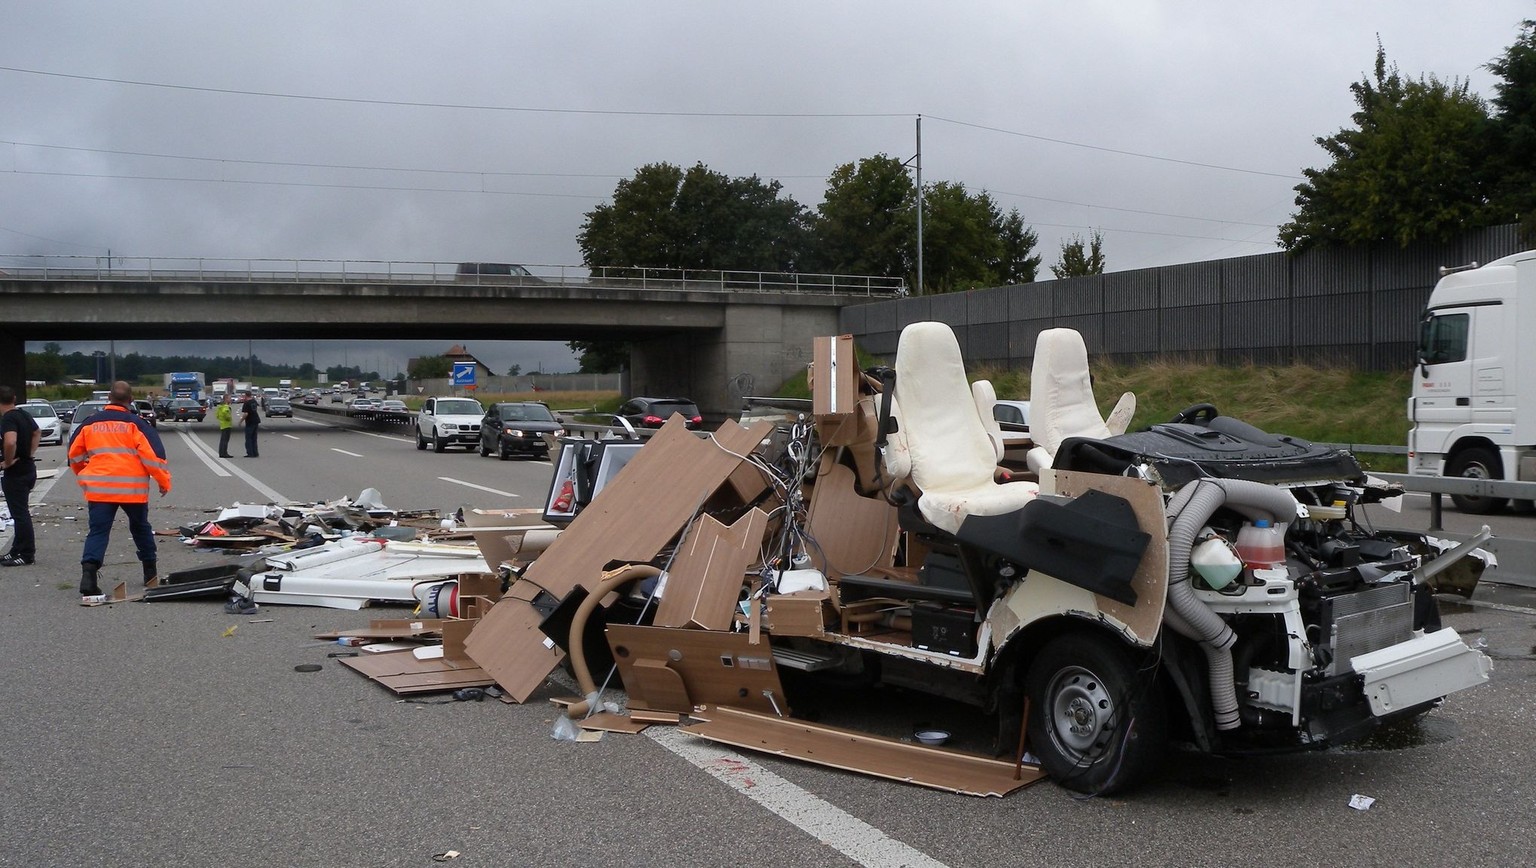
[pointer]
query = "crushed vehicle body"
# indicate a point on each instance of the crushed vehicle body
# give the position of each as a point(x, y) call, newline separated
point(1199, 581)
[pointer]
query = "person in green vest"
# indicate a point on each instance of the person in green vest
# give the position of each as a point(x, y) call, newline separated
point(226, 416)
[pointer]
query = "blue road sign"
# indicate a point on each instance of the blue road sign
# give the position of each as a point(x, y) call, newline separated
point(463, 373)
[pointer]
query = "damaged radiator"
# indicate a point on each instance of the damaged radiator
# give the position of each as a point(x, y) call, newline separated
point(1368, 620)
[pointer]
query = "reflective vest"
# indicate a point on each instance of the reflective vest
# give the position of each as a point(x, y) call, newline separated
point(115, 454)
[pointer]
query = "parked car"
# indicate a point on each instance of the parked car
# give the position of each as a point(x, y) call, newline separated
point(52, 427)
point(445, 422)
point(1015, 413)
point(654, 412)
point(65, 408)
point(279, 407)
point(146, 411)
point(522, 427)
point(187, 410)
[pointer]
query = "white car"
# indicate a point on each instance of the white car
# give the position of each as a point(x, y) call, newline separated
point(445, 422)
point(53, 428)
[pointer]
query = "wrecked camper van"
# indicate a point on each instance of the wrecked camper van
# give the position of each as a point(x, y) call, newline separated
point(1199, 581)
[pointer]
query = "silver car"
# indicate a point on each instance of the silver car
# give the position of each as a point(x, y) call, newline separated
point(53, 428)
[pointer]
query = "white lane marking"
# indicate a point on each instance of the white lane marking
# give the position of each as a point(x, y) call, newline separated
point(207, 453)
point(812, 814)
point(345, 452)
point(291, 436)
point(480, 487)
point(211, 460)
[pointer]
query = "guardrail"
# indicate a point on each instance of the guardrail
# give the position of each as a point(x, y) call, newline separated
point(147, 268)
point(1437, 486)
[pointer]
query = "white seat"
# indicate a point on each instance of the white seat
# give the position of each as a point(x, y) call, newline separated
point(1061, 401)
point(946, 441)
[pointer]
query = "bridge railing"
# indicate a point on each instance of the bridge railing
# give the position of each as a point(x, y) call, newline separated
point(163, 269)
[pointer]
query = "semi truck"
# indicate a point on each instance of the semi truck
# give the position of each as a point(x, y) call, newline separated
point(1473, 405)
point(185, 384)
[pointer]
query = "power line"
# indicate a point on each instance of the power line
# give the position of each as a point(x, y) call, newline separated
point(300, 184)
point(1130, 210)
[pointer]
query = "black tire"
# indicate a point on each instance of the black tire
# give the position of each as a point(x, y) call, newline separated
point(502, 454)
point(421, 442)
point(1096, 716)
point(1476, 463)
point(437, 442)
point(484, 452)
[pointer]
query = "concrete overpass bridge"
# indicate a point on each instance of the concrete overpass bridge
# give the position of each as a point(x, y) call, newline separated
point(713, 336)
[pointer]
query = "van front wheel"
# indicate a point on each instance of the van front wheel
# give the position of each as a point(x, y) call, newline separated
point(1096, 717)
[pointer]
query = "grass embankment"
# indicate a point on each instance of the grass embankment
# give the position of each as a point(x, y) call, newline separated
point(1322, 404)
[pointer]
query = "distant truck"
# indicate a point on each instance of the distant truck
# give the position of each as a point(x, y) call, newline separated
point(1473, 405)
point(185, 384)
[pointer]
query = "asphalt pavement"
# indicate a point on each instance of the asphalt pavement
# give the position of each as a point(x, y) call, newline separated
point(175, 734)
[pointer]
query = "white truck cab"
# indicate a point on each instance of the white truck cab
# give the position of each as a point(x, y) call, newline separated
point(1473, 405)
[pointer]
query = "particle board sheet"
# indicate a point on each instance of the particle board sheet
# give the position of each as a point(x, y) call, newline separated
point(672, 669)
point(855, 534)
point(1151, 579)
point(403, 674)
point(705, 579)
point(854, 751)
point(607, 721)
point(391, 628)
point(631, 519)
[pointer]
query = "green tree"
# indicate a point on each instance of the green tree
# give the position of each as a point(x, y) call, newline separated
point(1076, 261)
point(1411, 168)
point(866, 221)
point(515, 370)
point(1513, 171)
point(600, 357)
point(699, 219)
point(962, 245)
point(1019, 262)
point(430, 368)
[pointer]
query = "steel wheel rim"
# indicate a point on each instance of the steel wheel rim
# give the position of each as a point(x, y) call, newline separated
point(1081, 710)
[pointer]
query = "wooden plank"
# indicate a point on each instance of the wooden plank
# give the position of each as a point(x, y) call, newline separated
point(861, 752)
point(705, 579)
point(856, 534)
point(607, 721)
point(710, 667)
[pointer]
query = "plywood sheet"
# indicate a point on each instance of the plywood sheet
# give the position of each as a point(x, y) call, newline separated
point(402, 673)
point(705, 579)
point(856, 534)
point(1151, 579)
point(631, 519)
point(710, 667)
point(607, 721)
point(861, 752)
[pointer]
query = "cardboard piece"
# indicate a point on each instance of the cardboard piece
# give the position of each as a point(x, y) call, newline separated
point(391, 628)
point(509, 535)
point(631, 519)
point(855, 534)
point(853, 751)
point(1151, 579)
point(671, 669)
point(705, 579)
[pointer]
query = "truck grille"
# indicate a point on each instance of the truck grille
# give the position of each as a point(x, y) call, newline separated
point(1366, 621)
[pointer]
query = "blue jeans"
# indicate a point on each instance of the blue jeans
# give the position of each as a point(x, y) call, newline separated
point(250, 440)
point(101, 516)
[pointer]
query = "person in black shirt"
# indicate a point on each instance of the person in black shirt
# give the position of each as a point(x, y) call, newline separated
point(19, 436)
point(250, 412)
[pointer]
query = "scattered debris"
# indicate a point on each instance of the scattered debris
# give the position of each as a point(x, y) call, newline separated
point(1361, 803)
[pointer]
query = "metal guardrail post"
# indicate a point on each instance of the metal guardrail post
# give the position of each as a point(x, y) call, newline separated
point(1435, 514)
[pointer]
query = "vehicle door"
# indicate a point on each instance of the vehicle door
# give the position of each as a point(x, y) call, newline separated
point(1461, 367)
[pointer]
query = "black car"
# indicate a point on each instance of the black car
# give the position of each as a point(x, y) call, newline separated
point(279, 407)
point(654, 412)
point(518, 428)
point(65, 408)
point(186, 410)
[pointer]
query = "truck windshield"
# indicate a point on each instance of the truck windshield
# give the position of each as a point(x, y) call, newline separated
point(1444, 338)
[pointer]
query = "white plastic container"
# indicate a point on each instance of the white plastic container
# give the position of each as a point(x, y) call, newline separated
point(1215, 561)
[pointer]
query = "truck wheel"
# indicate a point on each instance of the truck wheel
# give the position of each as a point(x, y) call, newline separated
point(1096, 717)
point(437, 442)
point(421, 442)
point(1476, 463)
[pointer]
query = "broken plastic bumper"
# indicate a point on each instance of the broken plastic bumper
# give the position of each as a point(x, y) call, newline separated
point(1419, 670)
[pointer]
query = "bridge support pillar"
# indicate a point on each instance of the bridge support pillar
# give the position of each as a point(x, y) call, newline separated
point(13, 363)
point(759, 348)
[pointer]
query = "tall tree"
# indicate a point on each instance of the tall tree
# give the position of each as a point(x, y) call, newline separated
point(961, 242)
point(1019, 263)
point(665, 217)
point(600, 357)
point(1081, 258)
point(423, 368)
point(1410, 169)
point(866, 222)
point(1513, 172)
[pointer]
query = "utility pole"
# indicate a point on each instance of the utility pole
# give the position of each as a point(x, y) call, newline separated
point(919, 159)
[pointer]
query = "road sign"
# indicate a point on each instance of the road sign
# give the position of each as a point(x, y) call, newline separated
point(463, 373)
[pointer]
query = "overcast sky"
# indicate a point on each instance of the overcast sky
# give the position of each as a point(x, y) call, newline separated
point(483, 131)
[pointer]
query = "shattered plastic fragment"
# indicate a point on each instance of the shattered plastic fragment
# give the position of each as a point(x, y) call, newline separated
point(1361, 803)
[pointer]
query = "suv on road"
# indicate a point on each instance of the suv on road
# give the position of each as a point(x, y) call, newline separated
point(518, 427)
point(146, 411)
point(445, 422)
point(654, 412)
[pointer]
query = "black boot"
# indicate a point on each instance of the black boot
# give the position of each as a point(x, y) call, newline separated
point(149, 571)
point(88, 587)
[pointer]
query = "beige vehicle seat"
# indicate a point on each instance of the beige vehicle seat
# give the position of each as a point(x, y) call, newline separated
point(1061, 401)
point(946, 440)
